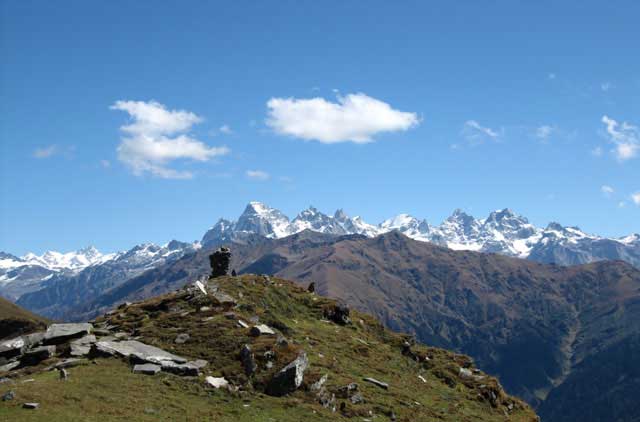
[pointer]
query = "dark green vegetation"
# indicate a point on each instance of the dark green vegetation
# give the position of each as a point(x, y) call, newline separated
point(15, 321)
point(107, 390)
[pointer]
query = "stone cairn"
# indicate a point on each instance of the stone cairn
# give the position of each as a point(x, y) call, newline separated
point(219, 261)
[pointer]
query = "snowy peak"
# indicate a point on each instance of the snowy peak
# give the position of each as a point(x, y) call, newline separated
point(262, 220)
point(57, 261)
point(312, 219)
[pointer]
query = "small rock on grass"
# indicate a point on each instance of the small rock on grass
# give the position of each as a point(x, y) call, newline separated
point(217, 382)
point(380, 384)
point(31, 405)
point(146, 369)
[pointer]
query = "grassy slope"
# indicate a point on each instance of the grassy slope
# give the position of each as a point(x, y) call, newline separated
point(15, 320)
point(108, 391)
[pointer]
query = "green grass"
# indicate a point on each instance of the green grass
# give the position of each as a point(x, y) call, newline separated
point(109, 391)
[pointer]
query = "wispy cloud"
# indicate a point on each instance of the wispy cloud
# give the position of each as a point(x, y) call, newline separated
point(258, 175)
point(606, 86)
point(45, 152)
point(635, 197)
point(353, 118)
point(625, 136)
point(157, 136)
point(607, 190)
point(544, 132)
point(476, 133)
point(225, 129)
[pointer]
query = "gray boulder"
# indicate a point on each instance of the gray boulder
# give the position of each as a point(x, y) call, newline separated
point(248, 360)
point(182, 338)
point(261, 330)
point(9, 366)
point(289, 378)
point(60, 333)
point(189, 369)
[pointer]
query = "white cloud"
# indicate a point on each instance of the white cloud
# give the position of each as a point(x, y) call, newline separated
point(607, 190)
point(226, 129)
point(354, 118)
point(258, 175)
point(475, 132)
point(544, 132)
point(635, 197)
point(157, 136)
point(45, 152)
point(626, 138)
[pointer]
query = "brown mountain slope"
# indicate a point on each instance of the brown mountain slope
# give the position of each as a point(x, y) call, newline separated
point(15, 321)
point(530, 324)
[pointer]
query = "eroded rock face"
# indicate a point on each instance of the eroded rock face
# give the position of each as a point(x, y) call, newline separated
point(219, 261)
point(289, 378)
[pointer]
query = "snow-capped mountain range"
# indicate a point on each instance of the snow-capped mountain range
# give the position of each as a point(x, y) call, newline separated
point(502, 232)
point(19, 275)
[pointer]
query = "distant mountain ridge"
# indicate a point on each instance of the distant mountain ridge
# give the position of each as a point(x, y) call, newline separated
point(502, 232)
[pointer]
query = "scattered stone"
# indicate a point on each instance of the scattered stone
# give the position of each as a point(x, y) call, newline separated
point(31, 405)
point(312, 287)
point(63, 374)
point(199, 363)
point(347, 391)
point(9, 395)
point(223, 299)
point(101, 332)
point(205, 308)
point(146, 369)
point(356, 398)
point(216, 382)
point(182, 338)
point(261, 330)
point(248, 360)
point(230, 315)
point(281, 341)
point(422, 378)
point(289, 378)
point(317, 386)
point(254, 319)
point(138, 350)
point(243, 324)
point(338, 314)
point(219, 261)
point(121, 335)
point(60, 333)
point(380, 384)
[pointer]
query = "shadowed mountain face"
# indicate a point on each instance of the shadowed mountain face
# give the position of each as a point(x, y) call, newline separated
point(542, 329)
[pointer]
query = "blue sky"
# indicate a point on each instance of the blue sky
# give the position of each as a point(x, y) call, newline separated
point(123, 122)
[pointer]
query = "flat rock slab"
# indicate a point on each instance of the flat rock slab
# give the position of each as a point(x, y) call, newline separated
point(59, 333)
point(262, 330)
point(68, 363)
point(138, 350)
point(147, 369)
point(9, 366)
point(189, 369)
point(31, 405)
point(380, 384)
point(217, 382)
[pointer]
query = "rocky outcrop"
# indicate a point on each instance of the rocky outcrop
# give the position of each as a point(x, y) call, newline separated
point(219, 261)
